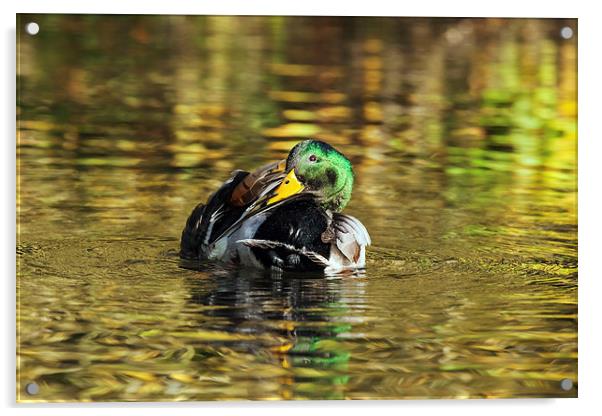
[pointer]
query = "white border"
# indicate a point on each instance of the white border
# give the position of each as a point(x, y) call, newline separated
point(506, 8)
point(590, 209)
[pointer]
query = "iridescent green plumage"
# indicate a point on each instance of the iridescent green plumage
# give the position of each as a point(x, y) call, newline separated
point(325, 171)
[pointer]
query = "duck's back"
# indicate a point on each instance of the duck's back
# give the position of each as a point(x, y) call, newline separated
point(234, 201)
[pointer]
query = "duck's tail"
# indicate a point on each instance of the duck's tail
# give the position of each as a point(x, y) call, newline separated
point(190, 240)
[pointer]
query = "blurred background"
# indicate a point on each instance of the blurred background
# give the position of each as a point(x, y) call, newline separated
point(462, 133)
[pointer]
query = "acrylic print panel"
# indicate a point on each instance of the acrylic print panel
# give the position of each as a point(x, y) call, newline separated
point(461, 135)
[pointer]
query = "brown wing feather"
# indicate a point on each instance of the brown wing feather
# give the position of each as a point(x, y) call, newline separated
point(254, 183)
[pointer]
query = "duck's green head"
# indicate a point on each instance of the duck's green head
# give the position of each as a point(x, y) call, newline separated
point(316, 167)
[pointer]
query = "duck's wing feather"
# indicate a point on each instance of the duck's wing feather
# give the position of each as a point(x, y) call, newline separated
point(258, 188)
point(253, 186)
point(191, 236)
point(314, 257)
point(206, 219)
point(348, 249)
point(240, 197)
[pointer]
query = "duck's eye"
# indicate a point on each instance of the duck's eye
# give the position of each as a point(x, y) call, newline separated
point(313, 158)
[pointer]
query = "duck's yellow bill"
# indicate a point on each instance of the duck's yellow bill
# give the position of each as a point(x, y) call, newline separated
point(290, 186)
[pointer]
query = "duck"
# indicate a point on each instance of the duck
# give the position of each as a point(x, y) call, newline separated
point(283, 216)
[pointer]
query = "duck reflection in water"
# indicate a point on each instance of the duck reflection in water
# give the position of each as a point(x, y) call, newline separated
point(310, 314)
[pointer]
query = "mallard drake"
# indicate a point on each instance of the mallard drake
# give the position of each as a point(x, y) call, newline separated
point(284, 216)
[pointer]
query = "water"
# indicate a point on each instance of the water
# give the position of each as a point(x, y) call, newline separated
point(463, 139)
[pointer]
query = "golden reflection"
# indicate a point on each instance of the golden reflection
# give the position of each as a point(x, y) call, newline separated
point(462, 134)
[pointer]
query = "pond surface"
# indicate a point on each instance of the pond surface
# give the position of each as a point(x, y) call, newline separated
point(463, 138)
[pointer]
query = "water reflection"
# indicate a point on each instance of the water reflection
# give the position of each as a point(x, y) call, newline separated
point(463, 137)
point(308, 315)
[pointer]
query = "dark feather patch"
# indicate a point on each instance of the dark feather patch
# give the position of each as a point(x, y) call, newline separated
point(306, 220)
point(331, 175)
point(207, 220)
